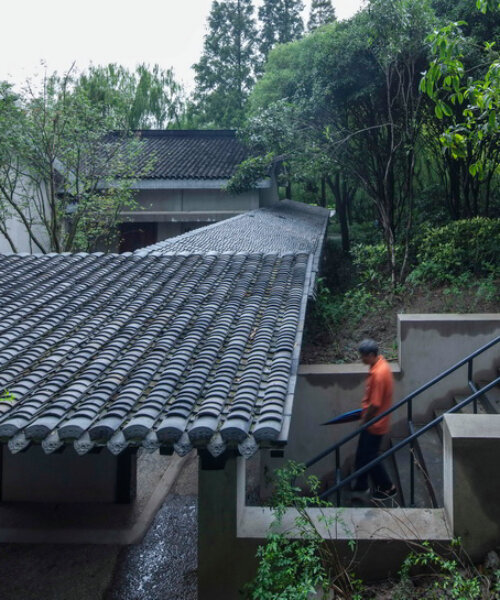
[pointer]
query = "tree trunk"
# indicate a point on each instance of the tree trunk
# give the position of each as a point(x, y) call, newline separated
point(342, 196)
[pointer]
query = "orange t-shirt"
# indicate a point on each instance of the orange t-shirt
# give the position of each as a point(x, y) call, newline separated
point(378, 393)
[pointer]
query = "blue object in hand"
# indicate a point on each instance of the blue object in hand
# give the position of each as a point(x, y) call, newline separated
point(347, 417)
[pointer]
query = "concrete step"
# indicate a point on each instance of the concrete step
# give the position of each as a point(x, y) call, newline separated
point(358, 500)
point(431, 447)
point(439, 428)
point(402, 459)
point(469, 409)
point(492, 396)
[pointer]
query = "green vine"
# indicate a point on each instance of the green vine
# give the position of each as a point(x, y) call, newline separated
point(295, 565)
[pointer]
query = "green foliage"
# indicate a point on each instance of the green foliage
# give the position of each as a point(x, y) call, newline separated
point(249, 172)
point(466, 246)
point(59, 166)
point(225, 71)
point(452, 576)
point(147, 98)
point(281, 22)
point(468, 106)
point(6, 396)
point(336, 312)
point(294, 565)
point(354, 89)
point(321, 13)
point(371, 264)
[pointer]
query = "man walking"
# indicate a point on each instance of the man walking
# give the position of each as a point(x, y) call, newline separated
point(377, 399)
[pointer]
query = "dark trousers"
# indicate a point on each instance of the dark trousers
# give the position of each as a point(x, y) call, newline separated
point(368, 449)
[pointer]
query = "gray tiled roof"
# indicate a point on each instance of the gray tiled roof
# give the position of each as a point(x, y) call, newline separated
point(171, 351)
point(284, 227)
point(189, 154)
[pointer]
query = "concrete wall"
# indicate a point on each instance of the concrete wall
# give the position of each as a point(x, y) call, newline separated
point(229, 533)
point(322, 392)
point(33, 476)
point(194, 200)
point(225, 561)
point(16, 228)
point(428, 344)
point(269, 195)
point(472, 480)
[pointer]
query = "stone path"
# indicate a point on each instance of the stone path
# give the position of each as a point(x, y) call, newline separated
point(163, 566)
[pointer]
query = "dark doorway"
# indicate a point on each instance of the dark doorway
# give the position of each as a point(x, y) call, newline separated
point(137, 235)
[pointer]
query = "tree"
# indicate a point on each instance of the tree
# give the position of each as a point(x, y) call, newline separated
point(281, 23)
point(11, 117)
point(225, 72)
point(61, 175)
point(358, 113)
point(322, 13)
point(466, 99)
point(147, 98)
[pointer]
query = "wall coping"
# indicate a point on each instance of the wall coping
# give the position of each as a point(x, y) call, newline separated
point(408, 318)
point(254, 522)
point(467, 426)
point(340, 369)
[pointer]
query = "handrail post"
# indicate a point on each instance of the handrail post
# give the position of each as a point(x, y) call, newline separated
point(409, 416)
point(412, 474)
point(337, 473)
point(470, 382)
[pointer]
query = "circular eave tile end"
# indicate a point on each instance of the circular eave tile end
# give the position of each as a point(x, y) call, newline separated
point(266, 433)
point(8, 431)
point(37, 432)
point(101, 433)
point(135, 432)
point(201, 435)
point(168, 435)
point(70, 432)
point(233, 434)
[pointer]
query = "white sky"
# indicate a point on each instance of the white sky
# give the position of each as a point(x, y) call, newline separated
point(60, 32)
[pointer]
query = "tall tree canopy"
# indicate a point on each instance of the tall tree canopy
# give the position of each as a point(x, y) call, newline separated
point(322, 13)
point(281, 22)
point(225, 72)
point(147, 98)
point(357, 109)
point(463, 82)
point(60, 175)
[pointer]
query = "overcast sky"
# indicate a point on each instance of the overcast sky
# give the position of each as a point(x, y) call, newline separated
point(59, 32)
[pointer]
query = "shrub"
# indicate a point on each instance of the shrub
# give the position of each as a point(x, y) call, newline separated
point(304, 567)
point(466, 246)
point(371, 263)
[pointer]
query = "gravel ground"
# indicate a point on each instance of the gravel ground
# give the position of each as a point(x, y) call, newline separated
point(163, 565)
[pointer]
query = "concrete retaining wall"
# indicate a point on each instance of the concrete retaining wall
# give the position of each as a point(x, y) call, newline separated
point(428, 344)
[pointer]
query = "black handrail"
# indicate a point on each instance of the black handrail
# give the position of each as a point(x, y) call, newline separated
point(409, 439)
point(408, 401)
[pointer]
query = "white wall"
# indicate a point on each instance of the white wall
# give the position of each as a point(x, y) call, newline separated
point(16, 228)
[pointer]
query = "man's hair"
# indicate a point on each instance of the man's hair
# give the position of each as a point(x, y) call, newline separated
point(368, 347)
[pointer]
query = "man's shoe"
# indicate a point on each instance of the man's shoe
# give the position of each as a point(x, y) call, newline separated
point(385, 494)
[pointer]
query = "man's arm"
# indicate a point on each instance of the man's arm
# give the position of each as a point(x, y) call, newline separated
point(370, 413)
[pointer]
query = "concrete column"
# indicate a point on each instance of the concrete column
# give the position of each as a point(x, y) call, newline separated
point(472, 480)
point(225, 563)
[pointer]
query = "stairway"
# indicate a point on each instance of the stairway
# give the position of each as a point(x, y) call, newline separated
point(427, 456)
point(428, 453)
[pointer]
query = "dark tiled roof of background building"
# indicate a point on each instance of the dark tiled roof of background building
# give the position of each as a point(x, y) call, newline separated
point(189, 154)
point(285, 227)
point(169, 351)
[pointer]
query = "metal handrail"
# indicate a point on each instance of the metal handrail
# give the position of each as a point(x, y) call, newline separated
point(408, 401)
point(408, 439)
